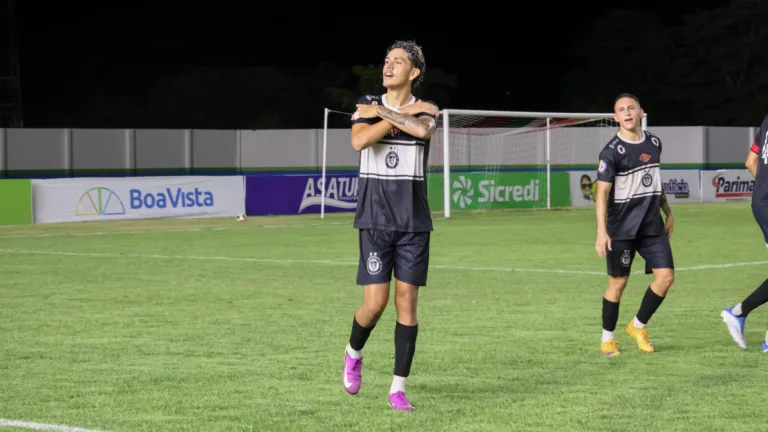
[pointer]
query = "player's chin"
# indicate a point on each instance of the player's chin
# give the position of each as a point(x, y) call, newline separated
point(393, 83)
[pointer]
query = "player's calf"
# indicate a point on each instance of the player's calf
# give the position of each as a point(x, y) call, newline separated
point(611, 301)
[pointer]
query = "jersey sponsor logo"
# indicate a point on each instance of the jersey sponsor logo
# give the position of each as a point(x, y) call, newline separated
point(601, 166)
point(728, 187)
point(620, 148)
point(677, 188)
point(655, 141)
point(645, 157)
point(341, 192)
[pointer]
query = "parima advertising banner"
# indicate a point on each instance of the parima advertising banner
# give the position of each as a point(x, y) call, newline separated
point(99, 199)
point(299, 194)
point(727, 185)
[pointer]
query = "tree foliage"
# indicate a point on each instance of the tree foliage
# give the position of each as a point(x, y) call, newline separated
point(710, 70)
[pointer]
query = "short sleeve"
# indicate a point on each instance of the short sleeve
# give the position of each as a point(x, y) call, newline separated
point(365, 100)
point(760, 137)
point(606, 168)
point(755, 148)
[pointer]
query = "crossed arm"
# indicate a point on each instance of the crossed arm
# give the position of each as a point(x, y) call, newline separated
point(364, 135)
point(420, 127)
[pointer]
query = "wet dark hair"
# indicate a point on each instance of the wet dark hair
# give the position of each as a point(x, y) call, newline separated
point(415, 56)
point(627, 95)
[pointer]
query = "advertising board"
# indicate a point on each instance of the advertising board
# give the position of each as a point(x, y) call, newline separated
point(89, 199)
point(299, 194)
point(727, 185)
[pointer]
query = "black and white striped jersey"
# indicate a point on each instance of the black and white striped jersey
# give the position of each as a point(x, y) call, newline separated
point(634, 203)
point(392, 191)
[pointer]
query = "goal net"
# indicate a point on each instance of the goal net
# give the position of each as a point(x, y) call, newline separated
point(499, 160)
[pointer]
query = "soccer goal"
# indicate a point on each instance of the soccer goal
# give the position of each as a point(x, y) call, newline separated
point(494, 160)
point(505, 160)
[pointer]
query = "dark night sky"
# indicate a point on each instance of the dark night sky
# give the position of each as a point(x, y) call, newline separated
point(71, 52)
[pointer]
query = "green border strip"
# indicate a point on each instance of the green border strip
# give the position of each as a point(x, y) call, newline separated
point(16, 202)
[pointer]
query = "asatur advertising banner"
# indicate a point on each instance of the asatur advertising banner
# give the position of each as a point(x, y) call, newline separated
point(300, 194)
point(727, 185)
point(102, 199)
point(678, 185)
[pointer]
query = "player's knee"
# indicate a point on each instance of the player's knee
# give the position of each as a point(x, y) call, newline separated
point(664, 279)
point(373, 309)
point(616, 287)
point(406, 296)
point(376, 299)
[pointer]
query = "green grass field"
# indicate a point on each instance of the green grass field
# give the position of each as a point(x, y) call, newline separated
point(213, 325)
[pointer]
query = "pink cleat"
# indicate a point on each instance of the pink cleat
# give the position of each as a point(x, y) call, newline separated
point(399, 402)
point(352, 375)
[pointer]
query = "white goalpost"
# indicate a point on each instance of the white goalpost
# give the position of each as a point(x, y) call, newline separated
point(497, 160)
point(340, 144)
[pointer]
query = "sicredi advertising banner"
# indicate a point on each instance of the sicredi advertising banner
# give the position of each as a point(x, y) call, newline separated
point(98, 199)
point(679, 186)
point(727, 185)
point(300, 194)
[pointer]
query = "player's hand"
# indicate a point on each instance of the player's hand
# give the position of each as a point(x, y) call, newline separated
point(669, 225)
point(365, 111)
point(421, 107)
point(603, 244)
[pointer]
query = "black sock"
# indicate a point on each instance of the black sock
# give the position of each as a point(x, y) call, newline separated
point(651, 302)
point(754, 300)
point(610, 315)
point(359, 335)
point(405, 348)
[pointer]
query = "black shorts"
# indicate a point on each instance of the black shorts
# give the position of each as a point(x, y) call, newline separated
point(656, 251)
point(382, 252)
point(761, 216)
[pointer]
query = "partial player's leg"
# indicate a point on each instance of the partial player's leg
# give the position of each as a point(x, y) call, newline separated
point(619, 264)
point(374, 273)
point(411, 267)
point(657, 252)
point(735, 316)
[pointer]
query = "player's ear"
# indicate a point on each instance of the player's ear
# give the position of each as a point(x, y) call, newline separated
point(415, 72)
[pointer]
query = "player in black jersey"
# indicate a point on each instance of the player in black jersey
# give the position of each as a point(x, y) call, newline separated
point(629, 202)
point(392, 133)
point(757, 164)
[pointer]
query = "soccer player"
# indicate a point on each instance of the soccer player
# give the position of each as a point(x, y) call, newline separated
point(392, 132)
point(757, 159)
point(629, 202)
